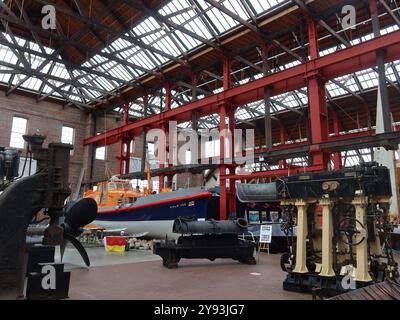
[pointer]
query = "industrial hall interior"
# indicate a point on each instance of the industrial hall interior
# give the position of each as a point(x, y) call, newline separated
point(155, 149)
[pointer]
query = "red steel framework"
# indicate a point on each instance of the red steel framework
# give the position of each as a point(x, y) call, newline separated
point(313, 74)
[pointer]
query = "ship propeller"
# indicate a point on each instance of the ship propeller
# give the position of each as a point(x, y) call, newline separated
point(77, 215)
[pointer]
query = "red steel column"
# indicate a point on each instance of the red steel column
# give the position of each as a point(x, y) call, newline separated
point(161, 156)
point(318, 110)
point(127, 140)
point(167, 96)
point(128, 156)
point(337, 157)
point(120, 156)
point(282, 163)
point(222, 166)
point(222, 128)
point(232, 167)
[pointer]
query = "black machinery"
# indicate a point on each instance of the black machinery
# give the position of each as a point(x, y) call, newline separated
point(351, 249)
point(20, 202)
point(206, 239)
point(9, 165)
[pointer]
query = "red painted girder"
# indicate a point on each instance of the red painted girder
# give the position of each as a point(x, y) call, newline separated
point(275, 173)
point(340, 63)
point(331, 138)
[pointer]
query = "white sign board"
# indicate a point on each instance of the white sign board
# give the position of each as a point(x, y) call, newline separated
point(265, 234)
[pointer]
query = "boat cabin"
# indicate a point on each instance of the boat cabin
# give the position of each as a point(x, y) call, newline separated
point(114, 193)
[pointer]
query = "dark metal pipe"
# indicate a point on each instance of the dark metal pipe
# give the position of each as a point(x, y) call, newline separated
point(185, 226)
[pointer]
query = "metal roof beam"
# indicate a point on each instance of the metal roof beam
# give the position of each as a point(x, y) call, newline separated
point(89, 71)
point(390, 12)
point(37, 39)
point(189, 86)
point(322, 23)
point(100, 26)
point(205, 18)
point(138, 5)
point(252, 27)
point(340, 85)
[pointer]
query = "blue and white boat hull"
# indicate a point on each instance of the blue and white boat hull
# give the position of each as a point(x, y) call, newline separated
point(154, 215)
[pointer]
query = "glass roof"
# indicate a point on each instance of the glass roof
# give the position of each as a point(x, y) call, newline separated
point(179, 27)
point(161, 43)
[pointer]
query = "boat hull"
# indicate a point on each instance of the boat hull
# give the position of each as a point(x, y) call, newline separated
point(154, 215)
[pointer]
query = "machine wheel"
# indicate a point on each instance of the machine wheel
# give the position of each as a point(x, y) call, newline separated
point(250, 261)
point(285, 262)
point(171, 264)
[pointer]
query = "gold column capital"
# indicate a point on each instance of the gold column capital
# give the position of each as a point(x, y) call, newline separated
point(300, 203)
point(361, 201)
point(326, 202)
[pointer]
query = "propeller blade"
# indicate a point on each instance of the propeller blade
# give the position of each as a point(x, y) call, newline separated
point(80, 213)
point(78, 246)
point(63, 245)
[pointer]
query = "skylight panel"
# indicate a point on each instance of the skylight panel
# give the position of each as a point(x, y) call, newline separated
point(236, 7)
point(263, 5)
point(34, 46)
point(242, 114)
point(189, 41)
point(185, 125)
point(221, 20)
point(119, 72)
point(31, 83)
point(188, 19)
point(334, 90)
point(165, 46)
point(390, 74)
point(59, 71)
point(9, 56)
point(47, 89)
point(389, 29)
point(127, 52)
point(397, 65)
point(197, 26)
point(106, 84)
point(4, 77)
point(35, 61)
point(367, 78)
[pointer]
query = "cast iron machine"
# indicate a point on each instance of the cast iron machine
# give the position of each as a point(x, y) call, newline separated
point(206, 239)
point(9, 164)
point(21, 201)
point(351, 247)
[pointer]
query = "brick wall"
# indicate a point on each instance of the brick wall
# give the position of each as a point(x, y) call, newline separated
point(44, 118)
point(47, 118)
point(102, 168)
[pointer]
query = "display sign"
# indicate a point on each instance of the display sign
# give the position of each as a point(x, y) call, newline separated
point(265, 233)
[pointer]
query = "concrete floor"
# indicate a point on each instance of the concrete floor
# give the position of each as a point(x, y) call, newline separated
point(138, 274)
point(99, 257)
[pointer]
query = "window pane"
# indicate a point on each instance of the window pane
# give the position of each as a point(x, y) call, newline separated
point(17, 131)
point(101, 153)
point(67, 135)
